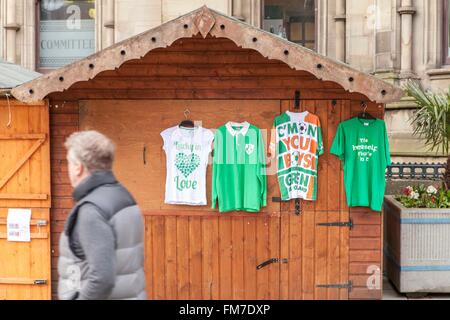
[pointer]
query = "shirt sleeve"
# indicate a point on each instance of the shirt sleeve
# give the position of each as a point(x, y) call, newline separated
point(273, 141)
point(386, 146)
point(166, 137)
point(209, 137)
point(98, 244)
point(214, 196)
point(262, 169)
point(338, 146)
point(273, 151)
point(319, 139)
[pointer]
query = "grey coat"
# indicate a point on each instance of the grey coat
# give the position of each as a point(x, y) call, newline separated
point(102, 246)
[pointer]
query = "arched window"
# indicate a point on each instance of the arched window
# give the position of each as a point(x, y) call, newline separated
point(294, 20)
point(66, 32)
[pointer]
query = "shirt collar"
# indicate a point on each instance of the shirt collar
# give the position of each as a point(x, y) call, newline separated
point(245, 125)
point(180, 130)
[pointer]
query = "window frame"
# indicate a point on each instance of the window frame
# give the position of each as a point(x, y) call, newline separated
point(316, 25)
point(445, 25)
point(38, 37)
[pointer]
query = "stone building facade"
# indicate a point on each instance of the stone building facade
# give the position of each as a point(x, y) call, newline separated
point(393, 39)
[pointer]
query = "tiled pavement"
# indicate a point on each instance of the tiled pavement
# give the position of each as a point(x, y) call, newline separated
point(390, 293)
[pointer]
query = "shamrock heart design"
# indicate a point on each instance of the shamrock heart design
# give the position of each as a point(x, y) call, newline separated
point(187, 163)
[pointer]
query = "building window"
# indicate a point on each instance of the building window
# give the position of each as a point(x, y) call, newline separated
point(66, 32)
point(294, 20)
point(446, 42)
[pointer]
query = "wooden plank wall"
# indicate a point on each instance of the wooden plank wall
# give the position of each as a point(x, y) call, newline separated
point(191, 252)
point(366, 238)
point(63, 122)
point(200, 257)
point(226, 72)
point(318, 254)
point(29, 185)
point(197, 68)
point(25, 161)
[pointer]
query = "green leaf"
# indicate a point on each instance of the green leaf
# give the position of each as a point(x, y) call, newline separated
point(431, 121)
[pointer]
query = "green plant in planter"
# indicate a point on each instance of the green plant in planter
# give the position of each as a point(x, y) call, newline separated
point(432, 120)
point(425, 197)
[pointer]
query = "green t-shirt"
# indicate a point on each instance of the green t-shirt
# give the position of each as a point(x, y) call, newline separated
point(239, 173)
point(363, 147)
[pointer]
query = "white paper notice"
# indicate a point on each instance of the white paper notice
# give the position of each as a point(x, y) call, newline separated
point(18, 225)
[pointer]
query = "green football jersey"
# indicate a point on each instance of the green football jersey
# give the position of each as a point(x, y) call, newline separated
point(239, 171)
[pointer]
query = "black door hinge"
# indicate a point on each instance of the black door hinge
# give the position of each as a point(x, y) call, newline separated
point(270, 261)
point(40, 282)
point(348, 285)
point(337, 224)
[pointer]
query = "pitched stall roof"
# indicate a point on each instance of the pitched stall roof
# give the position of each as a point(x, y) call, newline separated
point(12, 75)
point(206, 21)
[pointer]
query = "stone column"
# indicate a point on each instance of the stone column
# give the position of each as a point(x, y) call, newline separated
point(255, 13)
point(340, 29)
point(11, 31)
point(238, 10)
point(406, 11)
point(29, 29)
point(109, 23)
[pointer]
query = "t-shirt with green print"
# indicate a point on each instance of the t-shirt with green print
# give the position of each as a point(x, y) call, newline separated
point(363, 147)
point(187, 151)
point(239, 173)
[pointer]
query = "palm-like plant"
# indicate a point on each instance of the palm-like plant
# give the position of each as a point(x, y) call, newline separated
point(432, 120)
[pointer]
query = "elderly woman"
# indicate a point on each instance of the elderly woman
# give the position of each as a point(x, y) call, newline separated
point(101, 248)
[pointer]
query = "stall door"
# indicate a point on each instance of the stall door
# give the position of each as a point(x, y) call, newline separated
point(315, 247)
point(25, 183)
point(197, 253)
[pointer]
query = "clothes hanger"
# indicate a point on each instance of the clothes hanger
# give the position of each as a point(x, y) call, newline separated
point(364, 114)
point(187, 123)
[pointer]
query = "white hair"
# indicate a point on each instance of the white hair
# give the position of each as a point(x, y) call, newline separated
point(93, 149)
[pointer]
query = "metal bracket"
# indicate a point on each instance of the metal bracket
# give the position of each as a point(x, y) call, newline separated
point(333, 106)
point(348, 285)
point(276, 199)
point(40, 282)
point(270, 261)
point(41, 223)
point(297, 99)
point(297, 106)
point(337, 224)
point(298, 208)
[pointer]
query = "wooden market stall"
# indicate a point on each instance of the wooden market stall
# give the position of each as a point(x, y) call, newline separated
point(221, 69)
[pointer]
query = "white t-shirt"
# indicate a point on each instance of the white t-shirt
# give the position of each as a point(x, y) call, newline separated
point(187, 151)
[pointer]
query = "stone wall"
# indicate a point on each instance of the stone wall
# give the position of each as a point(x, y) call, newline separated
point(393, 39)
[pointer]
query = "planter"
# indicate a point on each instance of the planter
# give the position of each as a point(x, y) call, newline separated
point(417, 247)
